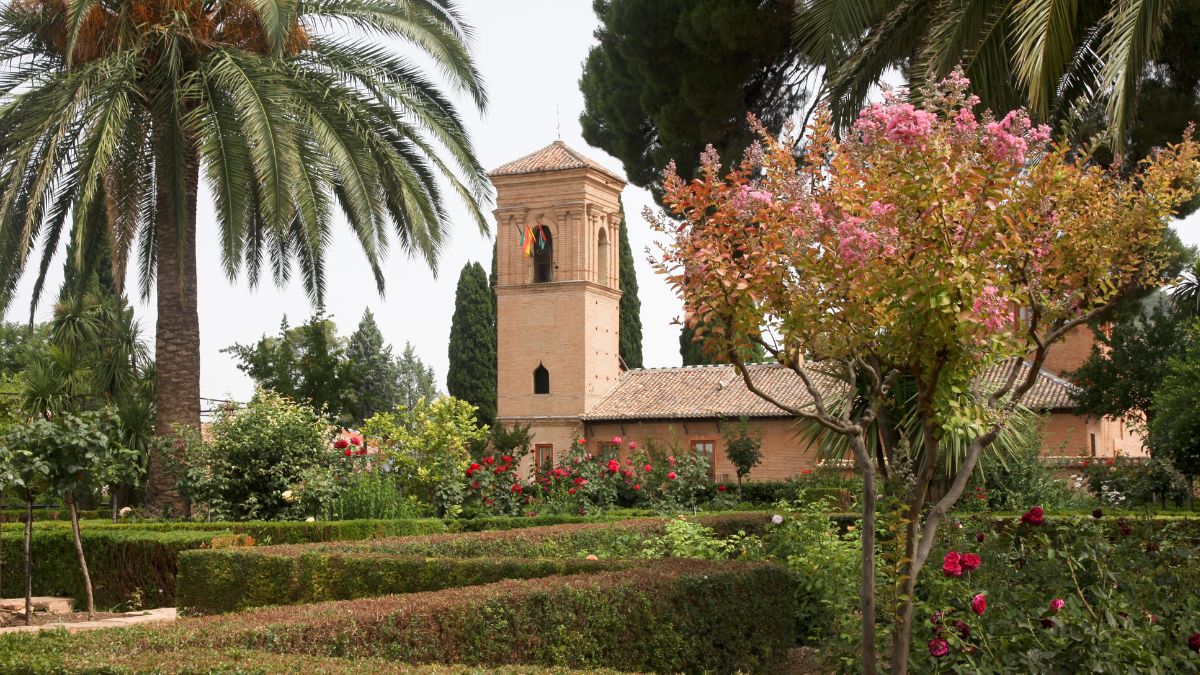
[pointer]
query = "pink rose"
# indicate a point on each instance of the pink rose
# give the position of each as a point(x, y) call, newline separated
point(952, 564)
point(616, 439)
point(938, 647)
point(671, 476)
point(979, 604)
point(970, 562)
point(1056, 604)
point(633, 445)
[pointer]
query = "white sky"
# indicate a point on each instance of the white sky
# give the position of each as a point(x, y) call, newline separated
point(531, 53)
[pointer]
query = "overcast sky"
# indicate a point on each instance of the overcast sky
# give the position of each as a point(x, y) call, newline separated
point(531, 53)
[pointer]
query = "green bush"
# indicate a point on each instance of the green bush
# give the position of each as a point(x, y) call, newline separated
point(666, 616)
point(376, 495)
point(271, 532)
point(270, 460)
point(127, 566)
point(226, 580)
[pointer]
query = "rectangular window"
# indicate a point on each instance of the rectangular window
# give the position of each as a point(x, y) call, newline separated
point(1093, 439)
point(609, 451)
point(543, 456)
point(704, 449)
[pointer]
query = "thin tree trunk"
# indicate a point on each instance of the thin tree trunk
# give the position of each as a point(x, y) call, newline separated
point(867, 581)
point(177, 332)
point(1191, 486)
point(28, 560)
point(83, 568)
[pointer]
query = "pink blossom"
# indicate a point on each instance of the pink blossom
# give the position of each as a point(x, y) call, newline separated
point(879, 209)
point(1056, 604)
point(710, 161)
point(991, 308)
point(965, 122)
point(855, 242)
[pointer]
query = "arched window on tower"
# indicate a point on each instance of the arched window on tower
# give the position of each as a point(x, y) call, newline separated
point(541, 380)
point(602, 258)
point(543, 257)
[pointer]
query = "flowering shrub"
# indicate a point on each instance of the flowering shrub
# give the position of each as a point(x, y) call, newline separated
point(1122, 481)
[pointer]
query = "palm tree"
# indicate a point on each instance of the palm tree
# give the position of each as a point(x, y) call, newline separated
point(1055, 57)
point(112, 110)
point(1185, 291)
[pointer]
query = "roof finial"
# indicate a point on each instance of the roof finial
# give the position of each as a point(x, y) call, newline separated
point(557, 121)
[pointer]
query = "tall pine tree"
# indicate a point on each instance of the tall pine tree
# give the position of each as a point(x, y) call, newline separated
point(374, 372)
point(631, 306)
point(417, 380)
point(472, 372)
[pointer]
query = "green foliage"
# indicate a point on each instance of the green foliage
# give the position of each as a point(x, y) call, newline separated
point(1017, 479)
point(667, 78)
point(1117, 579)
point(15, 340)
point(307, 363)
point(374, 377)
point(416, 379)
point(683, 538)
point(821, 559)
point(631, 305)
point(744, 451)
point(227, 580)
point(122, 562)
point(1134, 482)
point(375, 494)
point(257, 453)
point(428, 448)
point(1175, 425)
point(669, 616)
point(472, 372)
point(1130, 360)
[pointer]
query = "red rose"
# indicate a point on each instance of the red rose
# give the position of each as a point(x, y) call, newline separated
point(362, 452)
point(647, 468)
point(970, 562)
point(489, 502)
point(347, 453)
point(475, 467)
point(500, 470)
point(627, 474)
point(671, 476)
point(475, 485)
point(489, 460)
point(1194, 643)
point(952, 564)
point(938, 648)
point(355, 440)
point(979, 604)
point(517, 487)
point(507, 459)
point(1108, 462)
point(962, 627)
point(1035, 516)
point(805, 472)
point(613, 465)
point(582, 441)
point(340, 443)
point(979, 537)
point(721, 488)
point(636, 487)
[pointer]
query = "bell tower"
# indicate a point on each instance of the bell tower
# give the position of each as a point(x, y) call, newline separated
point(557, 295)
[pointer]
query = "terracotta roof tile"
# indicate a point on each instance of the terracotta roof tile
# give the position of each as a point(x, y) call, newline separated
point(554, 157)
point(718, 391)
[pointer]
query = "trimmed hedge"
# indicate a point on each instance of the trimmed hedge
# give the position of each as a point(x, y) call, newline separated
point(290, 531)
point(767, 493)
point(56, 652)
point(666, 616)
point(121, 563)
point(18, 515)
point(212, 582)
point(615, 539)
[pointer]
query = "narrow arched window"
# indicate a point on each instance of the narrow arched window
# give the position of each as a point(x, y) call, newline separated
point(543, 255)
point(541, 380)
point(602, 258)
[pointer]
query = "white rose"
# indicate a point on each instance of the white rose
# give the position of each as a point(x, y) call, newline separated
point(125, 511)
point(288, 496)
point(310, 519)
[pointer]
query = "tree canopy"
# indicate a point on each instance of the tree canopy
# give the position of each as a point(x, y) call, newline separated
point(471, 376)
point(668, 77)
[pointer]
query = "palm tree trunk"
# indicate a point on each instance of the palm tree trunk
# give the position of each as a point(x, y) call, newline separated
point(28, 559)
point(83, 568)
point(177, 332)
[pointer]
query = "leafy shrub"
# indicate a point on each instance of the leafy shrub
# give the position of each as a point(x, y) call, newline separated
point(683, 538)
point(270, 460)
point(1016, 480)
point(374, 494)
point(427, 446)
point(1128, 482)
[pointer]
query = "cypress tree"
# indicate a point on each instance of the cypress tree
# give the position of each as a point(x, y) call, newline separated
point(373, 369)
point(472, 372)
point(631, 306)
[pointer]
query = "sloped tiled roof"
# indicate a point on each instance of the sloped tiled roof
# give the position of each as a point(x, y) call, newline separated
point(554, 157)
point(718, 391)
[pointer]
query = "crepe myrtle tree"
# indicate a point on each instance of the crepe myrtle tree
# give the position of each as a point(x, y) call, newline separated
point(902, 252)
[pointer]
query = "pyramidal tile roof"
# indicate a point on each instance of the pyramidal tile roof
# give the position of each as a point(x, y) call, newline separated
point(554, 157)
point(719, 391)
